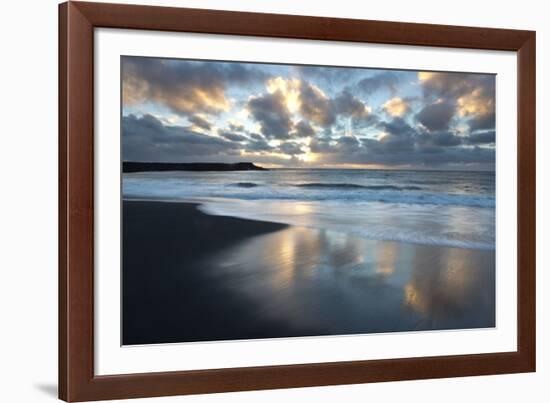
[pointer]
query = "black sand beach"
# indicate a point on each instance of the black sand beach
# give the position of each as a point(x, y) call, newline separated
point(189, 276)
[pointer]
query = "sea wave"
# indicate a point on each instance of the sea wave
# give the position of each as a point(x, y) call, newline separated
point(249, 191)
point(332, 186)
point(245, 184)
point(397, 197)
point(344, 186)
point(418, 225)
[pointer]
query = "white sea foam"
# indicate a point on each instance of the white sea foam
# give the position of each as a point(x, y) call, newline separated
point(435, 208)
point(453, 226)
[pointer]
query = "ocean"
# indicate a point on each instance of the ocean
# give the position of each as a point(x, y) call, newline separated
point(446, 208)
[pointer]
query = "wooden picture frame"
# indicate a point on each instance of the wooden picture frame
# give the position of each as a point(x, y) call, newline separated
point(77, 21)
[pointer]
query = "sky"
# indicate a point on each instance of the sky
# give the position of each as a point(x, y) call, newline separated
point(296, 116)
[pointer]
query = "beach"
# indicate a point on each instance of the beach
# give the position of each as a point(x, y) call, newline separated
point(189, 276)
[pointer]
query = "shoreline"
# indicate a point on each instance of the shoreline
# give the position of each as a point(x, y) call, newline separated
point(192, 276)
point(152, 258)
point(225, 207)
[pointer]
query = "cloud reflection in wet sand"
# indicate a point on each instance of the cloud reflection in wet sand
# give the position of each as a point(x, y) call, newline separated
point(338, 283)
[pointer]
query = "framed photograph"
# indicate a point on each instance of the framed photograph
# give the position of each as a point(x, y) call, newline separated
point(255, 201)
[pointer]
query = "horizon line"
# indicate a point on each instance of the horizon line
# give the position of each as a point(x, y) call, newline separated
point(366, 168)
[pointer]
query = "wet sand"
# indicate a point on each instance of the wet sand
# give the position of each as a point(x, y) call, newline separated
point(189, 276)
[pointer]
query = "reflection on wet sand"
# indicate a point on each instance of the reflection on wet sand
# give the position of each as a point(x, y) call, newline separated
point(451, 290)
point(331, 282)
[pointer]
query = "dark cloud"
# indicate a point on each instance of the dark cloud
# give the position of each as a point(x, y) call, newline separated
point(445, 139)
point(328, 76)
point(232, 136)
point(487, 137)
point(257, 136)
point(412, 128)
point(342, 147)
point(304, 129)
point(403, 144)
point(444, 157)
point(456, 85)
point(185, 87)
point(397, 127)
point(236, 127)
point(389, 144)
point(399, 137)
point(405, 151)
point(322, 145)
point(348, 105)
point(370, 120)
point(316, 106)
point(146, 138)
point(258, 145)
point(437, 142)
point(471, 95)
point(386, 80)
point(290, 148)
point(271, 112)
point(436, 116)
point(482, 122)
point(200, 122)
point(347, 144)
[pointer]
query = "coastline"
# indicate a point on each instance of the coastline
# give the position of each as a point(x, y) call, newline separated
point(191, 276)
point(155, 261)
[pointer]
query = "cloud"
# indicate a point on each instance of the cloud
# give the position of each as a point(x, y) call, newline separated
point(315, 105)
point(291, 148)
point(386, 80)
point(146, 138)
point(398, 127)
point(400, 144)
point(389, 144)
point(395, 151)
point(303, 110)
point(436, 116)
point(258, 145)
point(347, 145)
point(322, 145)
point(340, 149)
point(327, 76)
point(288, 98)
point(185, 87)
point(487, 137)
point(472, 95)
point(290, 90)
point(348, 106)
point(396, 107)
point(455, 85)
point(200, 122)
point(476, 103)
point(437, 142)
point(482, 122)
point(271, 112)
point(257, 136)
point(232, 136)
point(303, 129)
point(236, 127)
point(397, 137)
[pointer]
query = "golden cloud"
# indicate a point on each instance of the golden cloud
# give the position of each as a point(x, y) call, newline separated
point(315, 105)
point(396, 107)
point(185, 99)
point(475, 103)
point(290, 88)
point(426, 75)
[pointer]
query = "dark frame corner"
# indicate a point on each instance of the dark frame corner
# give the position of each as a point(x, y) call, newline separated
point(77, 21)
